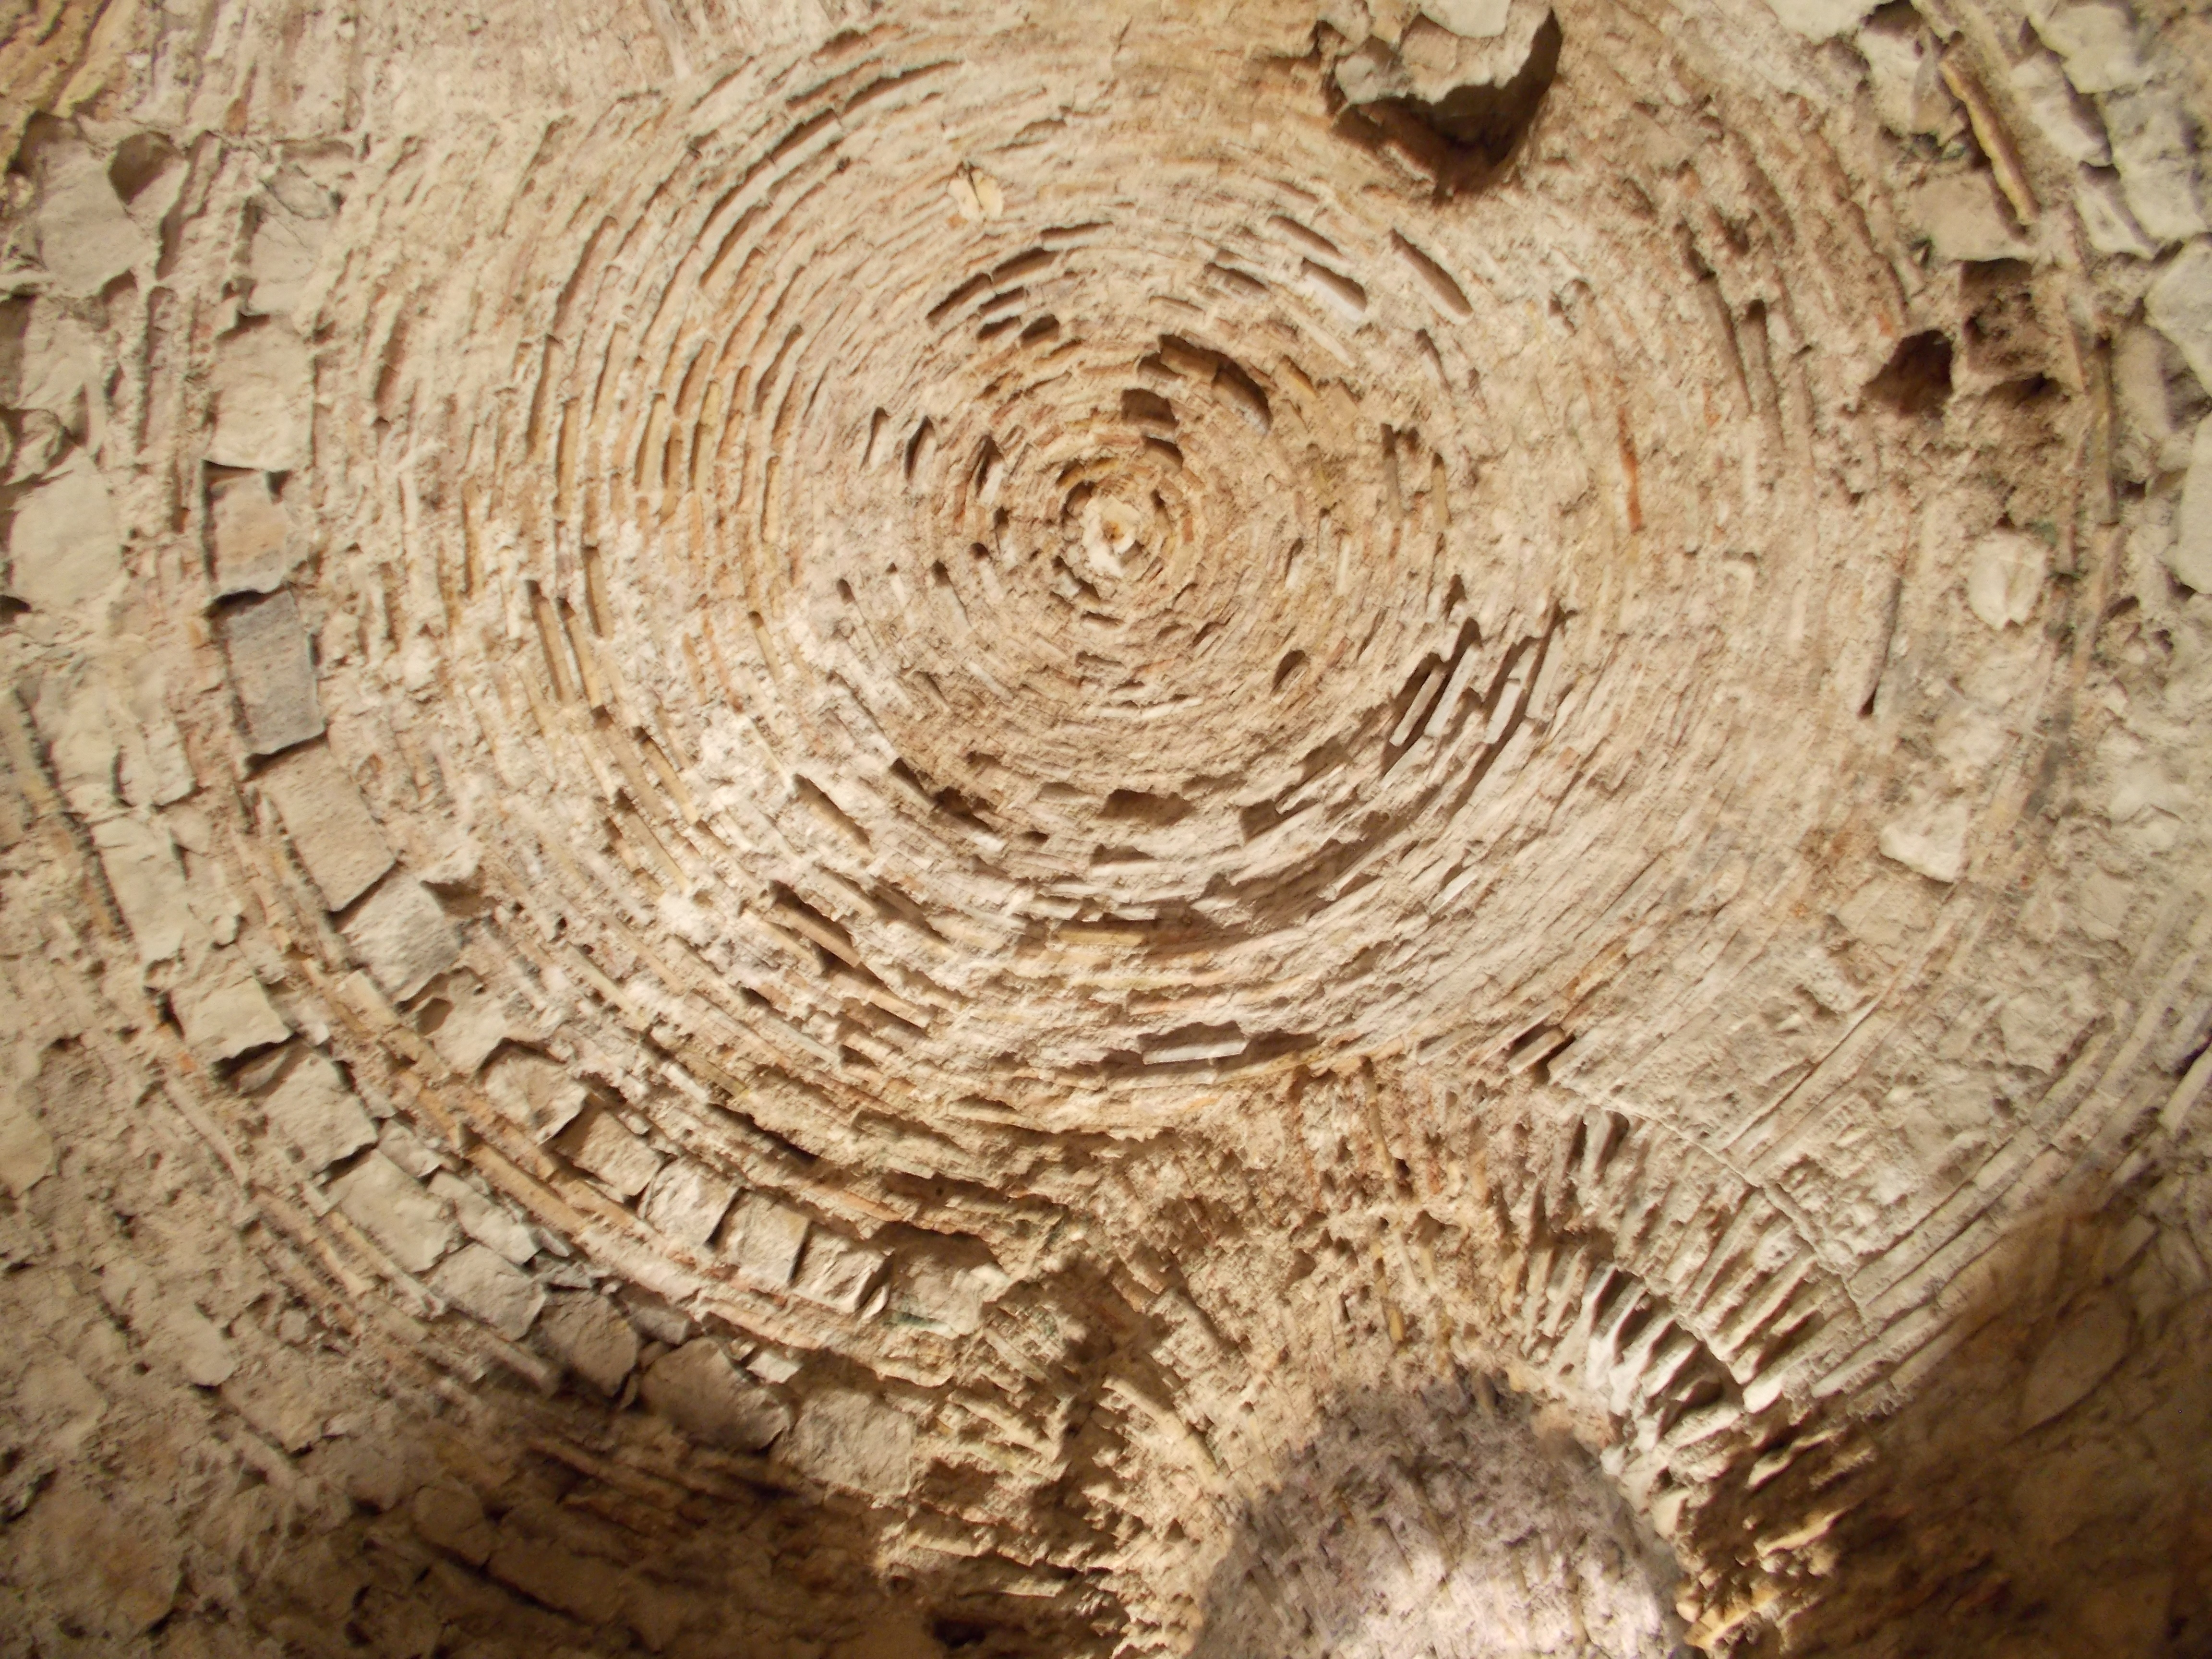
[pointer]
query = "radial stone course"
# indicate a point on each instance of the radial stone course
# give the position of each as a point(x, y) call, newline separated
point(865, 831)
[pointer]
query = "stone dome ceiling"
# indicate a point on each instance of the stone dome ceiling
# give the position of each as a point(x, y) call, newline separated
point(1247, 830)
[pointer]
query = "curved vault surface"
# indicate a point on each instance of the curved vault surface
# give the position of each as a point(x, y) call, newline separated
point(1207, 830)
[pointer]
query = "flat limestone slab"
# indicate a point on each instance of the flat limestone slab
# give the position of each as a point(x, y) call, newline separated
point(272, 672)
point(328, 823)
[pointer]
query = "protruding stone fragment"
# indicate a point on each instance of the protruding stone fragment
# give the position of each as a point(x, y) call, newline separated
point(64, 546)
point(282, 259)
point(590, 1337)
point(475, 1022)
point(2005, 576)
point(26, 1150)
point(599, 1144)
point(2097, 38)
point(771, 1366)
point(2179, 306)
point(113, 1569)
point(2039, 1025)
point(263, 400)
point(484, 1220)
point(1821, 20)
point(188, 1339)
point(1932, 840)
point(698, 1389)
point(152, 769)
point(574, 1584)
point(391, 1207)
point(2157, 163)
point(86, 240)
point(327, 823)
point(2105, 222)
point(140, 861)
point(451, 1516)
point(836, 1272)
point(764, 1241)
point(314, 1111)
point(224, 1011)
point(947, 1298)
point(1965, 219)
point(532, 1091)
point(403, 937)
point(1904, 61)
point(255, 551)
point(370, 1472)
point(849, 1439)
point(1470, 19)
point(272, 672)
point(1481, 90)
point(48, 370)
point(2188, 555)
point(2080, 1354)
point(687, 1201)
point(408, 1150)
point(2067, 120)
point(478, 1280)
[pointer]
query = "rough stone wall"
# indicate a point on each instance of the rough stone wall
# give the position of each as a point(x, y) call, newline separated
point(1242, 829)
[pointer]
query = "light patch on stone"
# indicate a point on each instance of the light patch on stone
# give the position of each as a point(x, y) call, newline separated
point(2188, 555)
point(255, 551)
point(26, 1150)
point(2039, 1025)
point(1821, 20)
point(140, 861)
point(480, 1281)
point(188, 1339)
point(697, 1389)
point(271, 672)
point(2097, 38)
point(2067, 120)
point(314, 1111)
point(86, 240)
point(1470, 19)
point(477, 1021)
point(764, 1241)
point(1931, 840)
point(392, 1209)
point(328, 824)
point(589, 1336)
point(64, 542)
point(402, 937)
point(2179, 306)
point(2004, 577)
point(2102, 201)
point(263, 385)
point(533, 1092)
point(2157, 163)
point(484, 1220)
point(687, 1202)
point(224, 1011)
point(599, 1144)
point(836, 1272)
point(1965, 219)
point(845, 1438)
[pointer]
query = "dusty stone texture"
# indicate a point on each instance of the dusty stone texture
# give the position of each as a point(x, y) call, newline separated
point(1304, 828)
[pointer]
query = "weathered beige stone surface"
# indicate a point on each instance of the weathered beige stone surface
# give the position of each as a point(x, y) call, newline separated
point(1328, 827)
